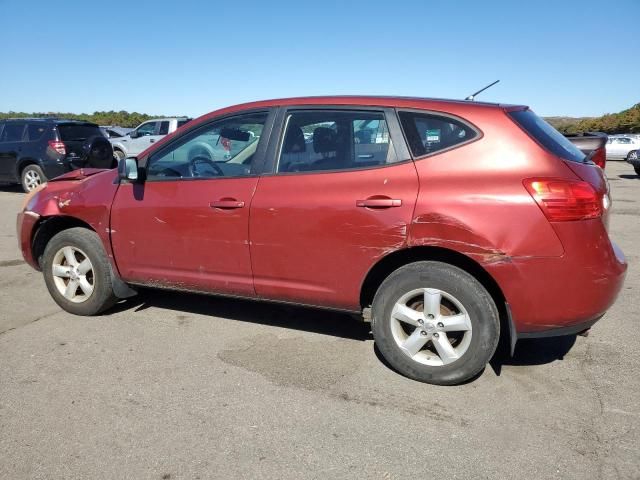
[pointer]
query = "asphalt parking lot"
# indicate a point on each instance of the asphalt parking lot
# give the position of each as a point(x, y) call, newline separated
point(172, 386)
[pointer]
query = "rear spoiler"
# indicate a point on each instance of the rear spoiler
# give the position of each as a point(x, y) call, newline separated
point(592, 144)
point(588, 141)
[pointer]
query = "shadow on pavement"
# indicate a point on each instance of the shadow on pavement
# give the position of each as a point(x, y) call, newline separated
point(630, 177)
point(292, 317)
point(10, 188)
point(533, 351)
point(528, 352)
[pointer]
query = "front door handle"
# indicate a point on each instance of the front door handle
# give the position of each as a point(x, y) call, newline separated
point(151, 140)
point(227, 204)
point(379, 202)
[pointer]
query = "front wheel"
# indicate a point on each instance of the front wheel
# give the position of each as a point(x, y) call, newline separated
point(637, 169)
point(435, 323)
point(632, 156)
point(77, 272)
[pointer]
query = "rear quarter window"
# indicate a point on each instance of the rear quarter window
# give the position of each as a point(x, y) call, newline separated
point(547, 136)
point(35, 131)
point(77, 132)
point(429, 133)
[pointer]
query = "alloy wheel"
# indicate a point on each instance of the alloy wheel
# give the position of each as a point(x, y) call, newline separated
point(32, 179)
point(73, 274)
point(431, 326)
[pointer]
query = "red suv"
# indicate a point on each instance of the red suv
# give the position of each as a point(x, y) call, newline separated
point(455, 222)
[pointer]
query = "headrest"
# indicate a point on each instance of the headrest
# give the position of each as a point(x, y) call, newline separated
point(325, 140)
point(294, 140)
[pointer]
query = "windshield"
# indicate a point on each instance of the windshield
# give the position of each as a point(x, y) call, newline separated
point(547, 136)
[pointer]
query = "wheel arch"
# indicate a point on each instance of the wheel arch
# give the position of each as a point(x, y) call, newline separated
point(48, 227)
point(391, 262)
point(23, 163)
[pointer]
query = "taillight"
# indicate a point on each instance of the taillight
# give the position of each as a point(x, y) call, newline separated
point(600, 157)
point(565, 200)
point(58, 147)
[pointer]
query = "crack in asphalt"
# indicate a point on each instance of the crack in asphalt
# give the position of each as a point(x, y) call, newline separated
point(41, 317)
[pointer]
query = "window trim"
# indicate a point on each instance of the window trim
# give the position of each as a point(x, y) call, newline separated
point(479, 133)
point(275, 146)
point(256, 162)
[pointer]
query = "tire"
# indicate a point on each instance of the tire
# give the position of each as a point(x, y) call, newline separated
point(118, 155)
point(632, 156)
point(84, 244)
point(637, 169)
point(472, 335)
point(98, 152)
point(31, 177)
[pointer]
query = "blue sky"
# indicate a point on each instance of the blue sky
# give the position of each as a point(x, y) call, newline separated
point(191, 57)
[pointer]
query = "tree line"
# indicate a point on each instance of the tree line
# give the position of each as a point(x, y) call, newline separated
point(121, 118)
point(626, 121)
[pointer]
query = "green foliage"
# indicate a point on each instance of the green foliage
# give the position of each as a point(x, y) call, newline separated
point(121, 118)
point(627, 121)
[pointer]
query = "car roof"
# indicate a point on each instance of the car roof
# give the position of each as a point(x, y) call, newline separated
point(48, 120)
point(374, 100)
point(160, 119)
point(422, 103)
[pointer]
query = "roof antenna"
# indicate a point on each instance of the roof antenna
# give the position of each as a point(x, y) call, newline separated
point(472, 97)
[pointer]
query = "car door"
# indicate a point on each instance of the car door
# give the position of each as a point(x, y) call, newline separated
point(10, 146)
point(340, 195)
point(145, 136)
point(187, 225)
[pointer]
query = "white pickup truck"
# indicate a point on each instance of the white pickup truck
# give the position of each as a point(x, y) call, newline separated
point(139, 139)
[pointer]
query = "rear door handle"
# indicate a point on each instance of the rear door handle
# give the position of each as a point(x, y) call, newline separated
point(377, 202)
point(227, 204)
point(151, 140)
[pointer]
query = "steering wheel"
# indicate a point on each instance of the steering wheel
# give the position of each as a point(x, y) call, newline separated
point(201, 159)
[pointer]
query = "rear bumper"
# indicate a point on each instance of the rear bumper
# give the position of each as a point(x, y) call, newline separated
point(25, 224)
point(563, 295)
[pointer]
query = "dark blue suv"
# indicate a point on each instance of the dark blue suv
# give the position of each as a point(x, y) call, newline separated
point(34, 150)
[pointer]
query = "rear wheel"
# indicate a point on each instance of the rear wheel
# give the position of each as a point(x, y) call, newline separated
point(637, 169)
point(32, 177)
point(435, 323)
point(77, 272)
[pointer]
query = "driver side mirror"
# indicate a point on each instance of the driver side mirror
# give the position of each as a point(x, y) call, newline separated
point(133, 134)
point(128, 169)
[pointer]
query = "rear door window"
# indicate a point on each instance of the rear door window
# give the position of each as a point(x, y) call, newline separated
point(335, 140)
point(77, 132)
point(164, 128)
point(547, 136)
point(12, 132)
point(429, 133)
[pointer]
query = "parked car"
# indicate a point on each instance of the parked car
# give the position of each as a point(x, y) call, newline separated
point(634, 159)
point(593, 145)
point(619, 147)
point(114, 131)
point(33, 150)
point(471, 221)
point(144, 135)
